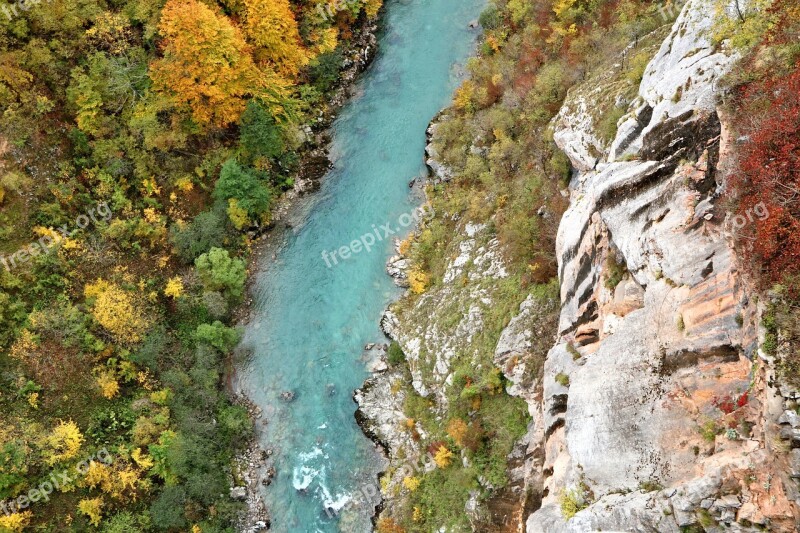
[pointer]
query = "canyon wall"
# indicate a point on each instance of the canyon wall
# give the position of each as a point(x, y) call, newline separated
point(658, 409)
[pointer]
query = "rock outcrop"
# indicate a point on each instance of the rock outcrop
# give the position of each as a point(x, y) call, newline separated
point(655, 403)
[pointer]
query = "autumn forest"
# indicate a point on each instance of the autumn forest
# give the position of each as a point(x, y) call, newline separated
point(156, 135)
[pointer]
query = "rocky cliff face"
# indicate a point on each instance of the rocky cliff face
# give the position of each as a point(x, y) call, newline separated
point(658, 411)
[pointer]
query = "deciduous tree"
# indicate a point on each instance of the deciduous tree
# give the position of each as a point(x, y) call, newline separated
point(207, 66)
point(271, 26)
point(220, 272)
point(63, 443)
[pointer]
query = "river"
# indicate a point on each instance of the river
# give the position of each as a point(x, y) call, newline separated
point(312, 316)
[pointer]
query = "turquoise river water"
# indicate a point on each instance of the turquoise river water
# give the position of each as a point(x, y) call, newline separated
point(311, 320)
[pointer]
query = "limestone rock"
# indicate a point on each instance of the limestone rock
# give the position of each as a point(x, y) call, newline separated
point(649, 384)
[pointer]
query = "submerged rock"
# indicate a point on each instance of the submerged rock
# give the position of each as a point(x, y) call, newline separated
point(287, 396)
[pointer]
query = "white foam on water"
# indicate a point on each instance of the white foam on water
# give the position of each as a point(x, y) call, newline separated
point(304, 474)
point(302, 477)
point(335, 503)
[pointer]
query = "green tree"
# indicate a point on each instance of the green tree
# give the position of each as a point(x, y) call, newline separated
point(84, 95)
point(218, 335)
point(743, 22)
point(324, 69)
point(12, 313)
point(167, 510)
point(260, 134)
point(13, 468)
point(206, 231)
point(219, 271)
point(243, 185)
point(126, 522)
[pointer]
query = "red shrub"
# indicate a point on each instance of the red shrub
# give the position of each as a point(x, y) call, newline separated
point(769, 173)
point(725, 404)
point(742, 401)
point(434, 446)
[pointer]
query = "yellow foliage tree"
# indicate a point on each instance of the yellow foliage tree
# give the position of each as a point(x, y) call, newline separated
point(207, 66)
point(114, 309)
point(142, 460)
point(237, 214)
point(324, 40)
point(371, 7)
point(25, 345)
point(120, 483)
point(98, 475)
point(109, 386)
point(405, 245)
point(388, 525)
point(174, 288)
point(64, 442)
point(93, 509)
point(271, 26)
point(561, 7)
point(126, 482)
point(418, 281)
point(15, 521)
point(443, 456)
point(464, 97)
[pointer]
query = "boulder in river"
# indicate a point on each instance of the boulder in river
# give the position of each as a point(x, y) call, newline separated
point(287, 396)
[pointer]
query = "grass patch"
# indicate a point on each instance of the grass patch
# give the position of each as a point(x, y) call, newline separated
point(574, 500)
point(573, 351)
point(395, 354)
point(709, 431)
point(607, 127)
point(614, 271)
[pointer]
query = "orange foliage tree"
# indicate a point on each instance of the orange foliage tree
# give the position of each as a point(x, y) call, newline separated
point(207, 67)
point(271, 26)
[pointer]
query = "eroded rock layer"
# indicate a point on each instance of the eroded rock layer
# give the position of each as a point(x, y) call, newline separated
point(657, 409)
